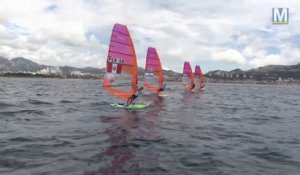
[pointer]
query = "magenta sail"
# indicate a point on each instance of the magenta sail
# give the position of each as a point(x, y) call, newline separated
point(188, 76)
point(153, 79)
point(121, 45)
point(120, 79)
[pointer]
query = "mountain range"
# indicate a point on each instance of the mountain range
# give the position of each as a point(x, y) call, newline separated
point(270, 72)
point(21, 64)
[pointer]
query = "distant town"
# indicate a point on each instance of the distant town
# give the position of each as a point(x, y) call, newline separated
point(272, 74)
point(22, 67)
point(56, 72)
point(52, 72)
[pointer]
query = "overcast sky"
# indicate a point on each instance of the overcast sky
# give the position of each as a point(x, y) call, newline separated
point(214, 34)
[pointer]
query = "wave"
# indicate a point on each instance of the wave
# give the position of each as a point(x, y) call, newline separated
point(68, 101)
point(5, 105)
point(27, 111)
point(272, 155)
point(21, 139)
point(38, 102)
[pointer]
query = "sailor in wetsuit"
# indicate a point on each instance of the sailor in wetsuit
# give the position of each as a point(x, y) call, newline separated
point(193, 86)
point(162, 88)
point(202, 85)
point(134, 96)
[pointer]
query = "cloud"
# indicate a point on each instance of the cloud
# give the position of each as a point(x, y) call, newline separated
point(229, 56)
point(248, 52)
point(268, 60)
point(175, 52)
point(204, 33)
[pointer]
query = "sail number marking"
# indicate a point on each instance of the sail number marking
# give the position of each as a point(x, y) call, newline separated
point(115, 60)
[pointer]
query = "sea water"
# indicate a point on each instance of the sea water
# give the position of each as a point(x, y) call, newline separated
point(66, 126)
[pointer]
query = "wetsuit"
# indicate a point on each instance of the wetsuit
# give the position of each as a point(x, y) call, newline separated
point(133, 97)
point(162, 88)
point(193, 86)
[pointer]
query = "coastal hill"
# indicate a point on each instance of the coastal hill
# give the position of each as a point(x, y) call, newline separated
point(91, 70)
point(23, 65)
point(270, 73)
point(19, 65)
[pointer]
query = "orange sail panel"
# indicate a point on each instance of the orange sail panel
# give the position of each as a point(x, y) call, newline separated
point(120, 79)
point(153, 79)
point(199, 79)
point(188, 76)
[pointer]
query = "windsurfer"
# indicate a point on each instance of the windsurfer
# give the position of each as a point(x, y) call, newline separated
point(193, 86)
point(202, 85)
point(162, 88)
point(134, 96)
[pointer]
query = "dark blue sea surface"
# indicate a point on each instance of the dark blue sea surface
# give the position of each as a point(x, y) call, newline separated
point(66, 126)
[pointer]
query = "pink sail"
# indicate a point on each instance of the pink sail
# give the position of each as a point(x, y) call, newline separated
point(188, 76)
point(120, 79)
point(153, 79)
point(199, 79)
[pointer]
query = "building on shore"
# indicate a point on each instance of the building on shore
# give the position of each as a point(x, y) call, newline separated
point(50, 71)
point(77, 73)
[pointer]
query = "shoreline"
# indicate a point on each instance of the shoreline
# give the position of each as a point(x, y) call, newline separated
point(258, 83)
point(264, 82)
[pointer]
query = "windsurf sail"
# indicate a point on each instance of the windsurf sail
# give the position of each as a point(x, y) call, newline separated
point(199, 79)
point(121, 74)
point(153, 78)
point(188, 76)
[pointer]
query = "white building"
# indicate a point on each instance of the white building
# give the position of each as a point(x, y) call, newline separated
point(50, 70)
point(76, 73)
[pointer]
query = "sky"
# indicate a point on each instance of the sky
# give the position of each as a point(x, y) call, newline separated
point(214, 34)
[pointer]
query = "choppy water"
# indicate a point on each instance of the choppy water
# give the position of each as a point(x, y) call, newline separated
point(65, 126)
